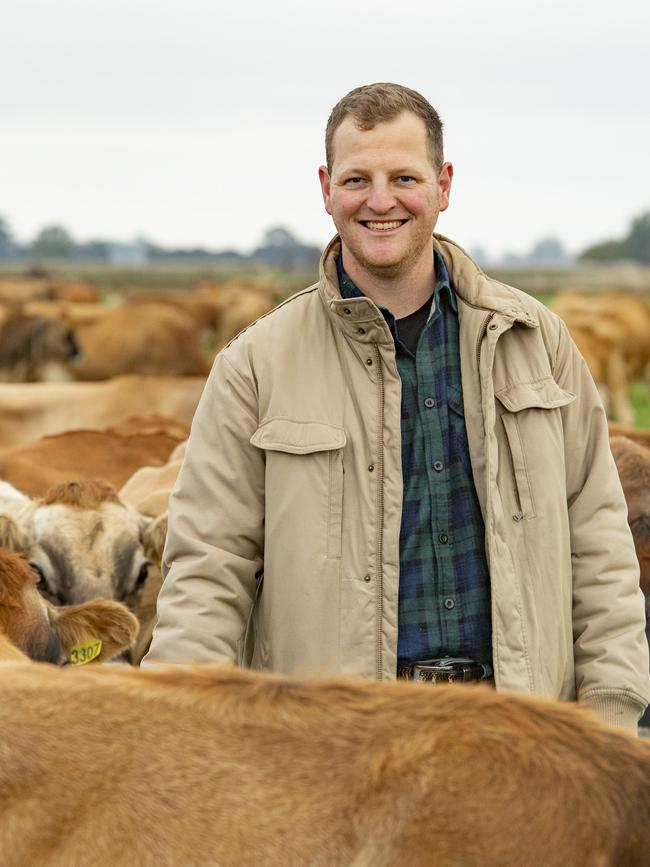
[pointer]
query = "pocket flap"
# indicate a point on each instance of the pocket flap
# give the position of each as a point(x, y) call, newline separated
point(298, 437)
point(543, 393)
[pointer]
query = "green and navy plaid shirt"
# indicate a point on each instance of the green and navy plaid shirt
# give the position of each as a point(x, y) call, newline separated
point(444, 586)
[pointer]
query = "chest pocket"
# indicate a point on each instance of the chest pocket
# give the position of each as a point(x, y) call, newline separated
point(532, 424)
point(304, 477)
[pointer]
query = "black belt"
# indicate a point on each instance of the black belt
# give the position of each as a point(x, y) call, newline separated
point(446, 669)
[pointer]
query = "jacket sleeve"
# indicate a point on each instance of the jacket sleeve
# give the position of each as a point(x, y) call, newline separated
point(610, 647)
point(213, 552)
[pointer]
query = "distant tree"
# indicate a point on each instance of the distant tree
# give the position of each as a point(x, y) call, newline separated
point(606, 251)
point(6, 239)
point(53, 242)
point(548, 251)
point(638, 239)
point(635, 245)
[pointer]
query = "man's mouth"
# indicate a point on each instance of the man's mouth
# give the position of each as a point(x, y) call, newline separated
point(382, 225)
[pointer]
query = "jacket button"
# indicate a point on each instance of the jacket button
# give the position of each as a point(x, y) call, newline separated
point(361, 330)
point(449, 604)
point(347, 310)
point(368, 361)
point(371, 468)
point(443, 538)
point(367, 578)
point(493, 326)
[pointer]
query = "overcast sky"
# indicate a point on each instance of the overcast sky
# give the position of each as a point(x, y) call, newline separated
point(201, 122)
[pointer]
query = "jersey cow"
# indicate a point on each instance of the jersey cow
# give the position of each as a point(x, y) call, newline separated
point(37, 409)
point(87, 454)
point(201, 765)
point(82, 540)
point(30, 627)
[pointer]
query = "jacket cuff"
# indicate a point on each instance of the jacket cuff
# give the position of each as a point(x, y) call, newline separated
point(615, 709)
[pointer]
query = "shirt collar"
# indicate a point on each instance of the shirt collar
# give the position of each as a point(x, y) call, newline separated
point(442, 288)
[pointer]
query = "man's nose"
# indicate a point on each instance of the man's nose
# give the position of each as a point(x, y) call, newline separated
point(381, 198)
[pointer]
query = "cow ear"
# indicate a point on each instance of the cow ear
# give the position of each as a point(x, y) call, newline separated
point(110, 622)
point(153, 535)
point(14, 536)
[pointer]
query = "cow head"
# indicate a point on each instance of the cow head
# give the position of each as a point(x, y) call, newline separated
point(32, 627)
point(83, 542)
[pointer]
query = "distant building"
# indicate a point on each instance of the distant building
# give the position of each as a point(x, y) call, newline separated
point(134, 253)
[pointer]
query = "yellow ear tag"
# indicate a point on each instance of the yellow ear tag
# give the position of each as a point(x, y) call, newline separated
point(85, 651)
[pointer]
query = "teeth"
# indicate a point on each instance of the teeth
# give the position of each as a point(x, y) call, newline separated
point(384, 226)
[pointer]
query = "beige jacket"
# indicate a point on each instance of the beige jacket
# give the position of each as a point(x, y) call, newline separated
point(293, 467)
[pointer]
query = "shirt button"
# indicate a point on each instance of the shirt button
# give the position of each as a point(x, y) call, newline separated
point(443, 537)
point(429, 402)
point(438, 465)
point(449, 604)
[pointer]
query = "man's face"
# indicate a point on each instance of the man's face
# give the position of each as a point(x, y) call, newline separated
point(384, 195)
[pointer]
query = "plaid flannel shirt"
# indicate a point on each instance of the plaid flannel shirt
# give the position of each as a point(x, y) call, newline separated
point(444, 588)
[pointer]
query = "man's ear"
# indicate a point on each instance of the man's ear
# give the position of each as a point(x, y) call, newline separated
point(325, 185)
point(444, 185)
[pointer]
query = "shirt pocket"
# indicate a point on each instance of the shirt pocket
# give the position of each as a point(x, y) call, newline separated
point(531, 421)
point(305, 475)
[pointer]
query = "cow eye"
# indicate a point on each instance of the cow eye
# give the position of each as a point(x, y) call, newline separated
point(39, 572)
point(142, 574)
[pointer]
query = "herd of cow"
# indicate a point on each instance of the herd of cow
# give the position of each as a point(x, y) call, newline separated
point(203, 765)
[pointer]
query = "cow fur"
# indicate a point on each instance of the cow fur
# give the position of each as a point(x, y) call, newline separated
point(208, 766)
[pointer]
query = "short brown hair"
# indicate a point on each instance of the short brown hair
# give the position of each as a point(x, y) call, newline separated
point(381, 102)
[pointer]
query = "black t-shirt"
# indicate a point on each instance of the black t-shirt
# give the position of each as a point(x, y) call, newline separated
point(410, 327)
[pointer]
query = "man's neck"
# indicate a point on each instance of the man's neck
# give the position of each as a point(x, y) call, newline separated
point(402, 294)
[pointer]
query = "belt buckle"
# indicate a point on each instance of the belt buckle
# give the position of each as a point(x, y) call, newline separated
point(447, 669)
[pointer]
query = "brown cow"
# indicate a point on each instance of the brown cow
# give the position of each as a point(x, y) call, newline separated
point(86, 454)
point(633, 464)
point(637, 434)
point(30, 345)
point(148, 339)
point(83, 541)
point(37, 409)
point(30, 627)
point(225, 767)
point(612, 331)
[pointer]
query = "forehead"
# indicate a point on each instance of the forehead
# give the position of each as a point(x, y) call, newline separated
point(403, 139)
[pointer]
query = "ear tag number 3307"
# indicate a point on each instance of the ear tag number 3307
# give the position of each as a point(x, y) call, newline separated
point(85, 651)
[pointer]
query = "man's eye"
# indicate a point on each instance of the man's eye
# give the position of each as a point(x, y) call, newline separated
point(406, 179)
point(353, 182)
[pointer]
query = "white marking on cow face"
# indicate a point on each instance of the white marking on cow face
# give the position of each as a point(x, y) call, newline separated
point(85, 553)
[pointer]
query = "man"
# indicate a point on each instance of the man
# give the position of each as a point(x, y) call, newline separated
point(407, 461)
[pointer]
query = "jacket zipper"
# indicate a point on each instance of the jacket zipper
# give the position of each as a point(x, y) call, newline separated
point(379, 568)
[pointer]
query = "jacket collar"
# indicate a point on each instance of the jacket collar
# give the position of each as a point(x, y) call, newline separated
point(470, 284)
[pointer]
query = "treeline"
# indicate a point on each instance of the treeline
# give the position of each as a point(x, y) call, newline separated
point(634, 247)
point(279, 249)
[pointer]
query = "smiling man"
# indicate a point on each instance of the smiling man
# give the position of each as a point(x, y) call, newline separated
point(404, 469)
